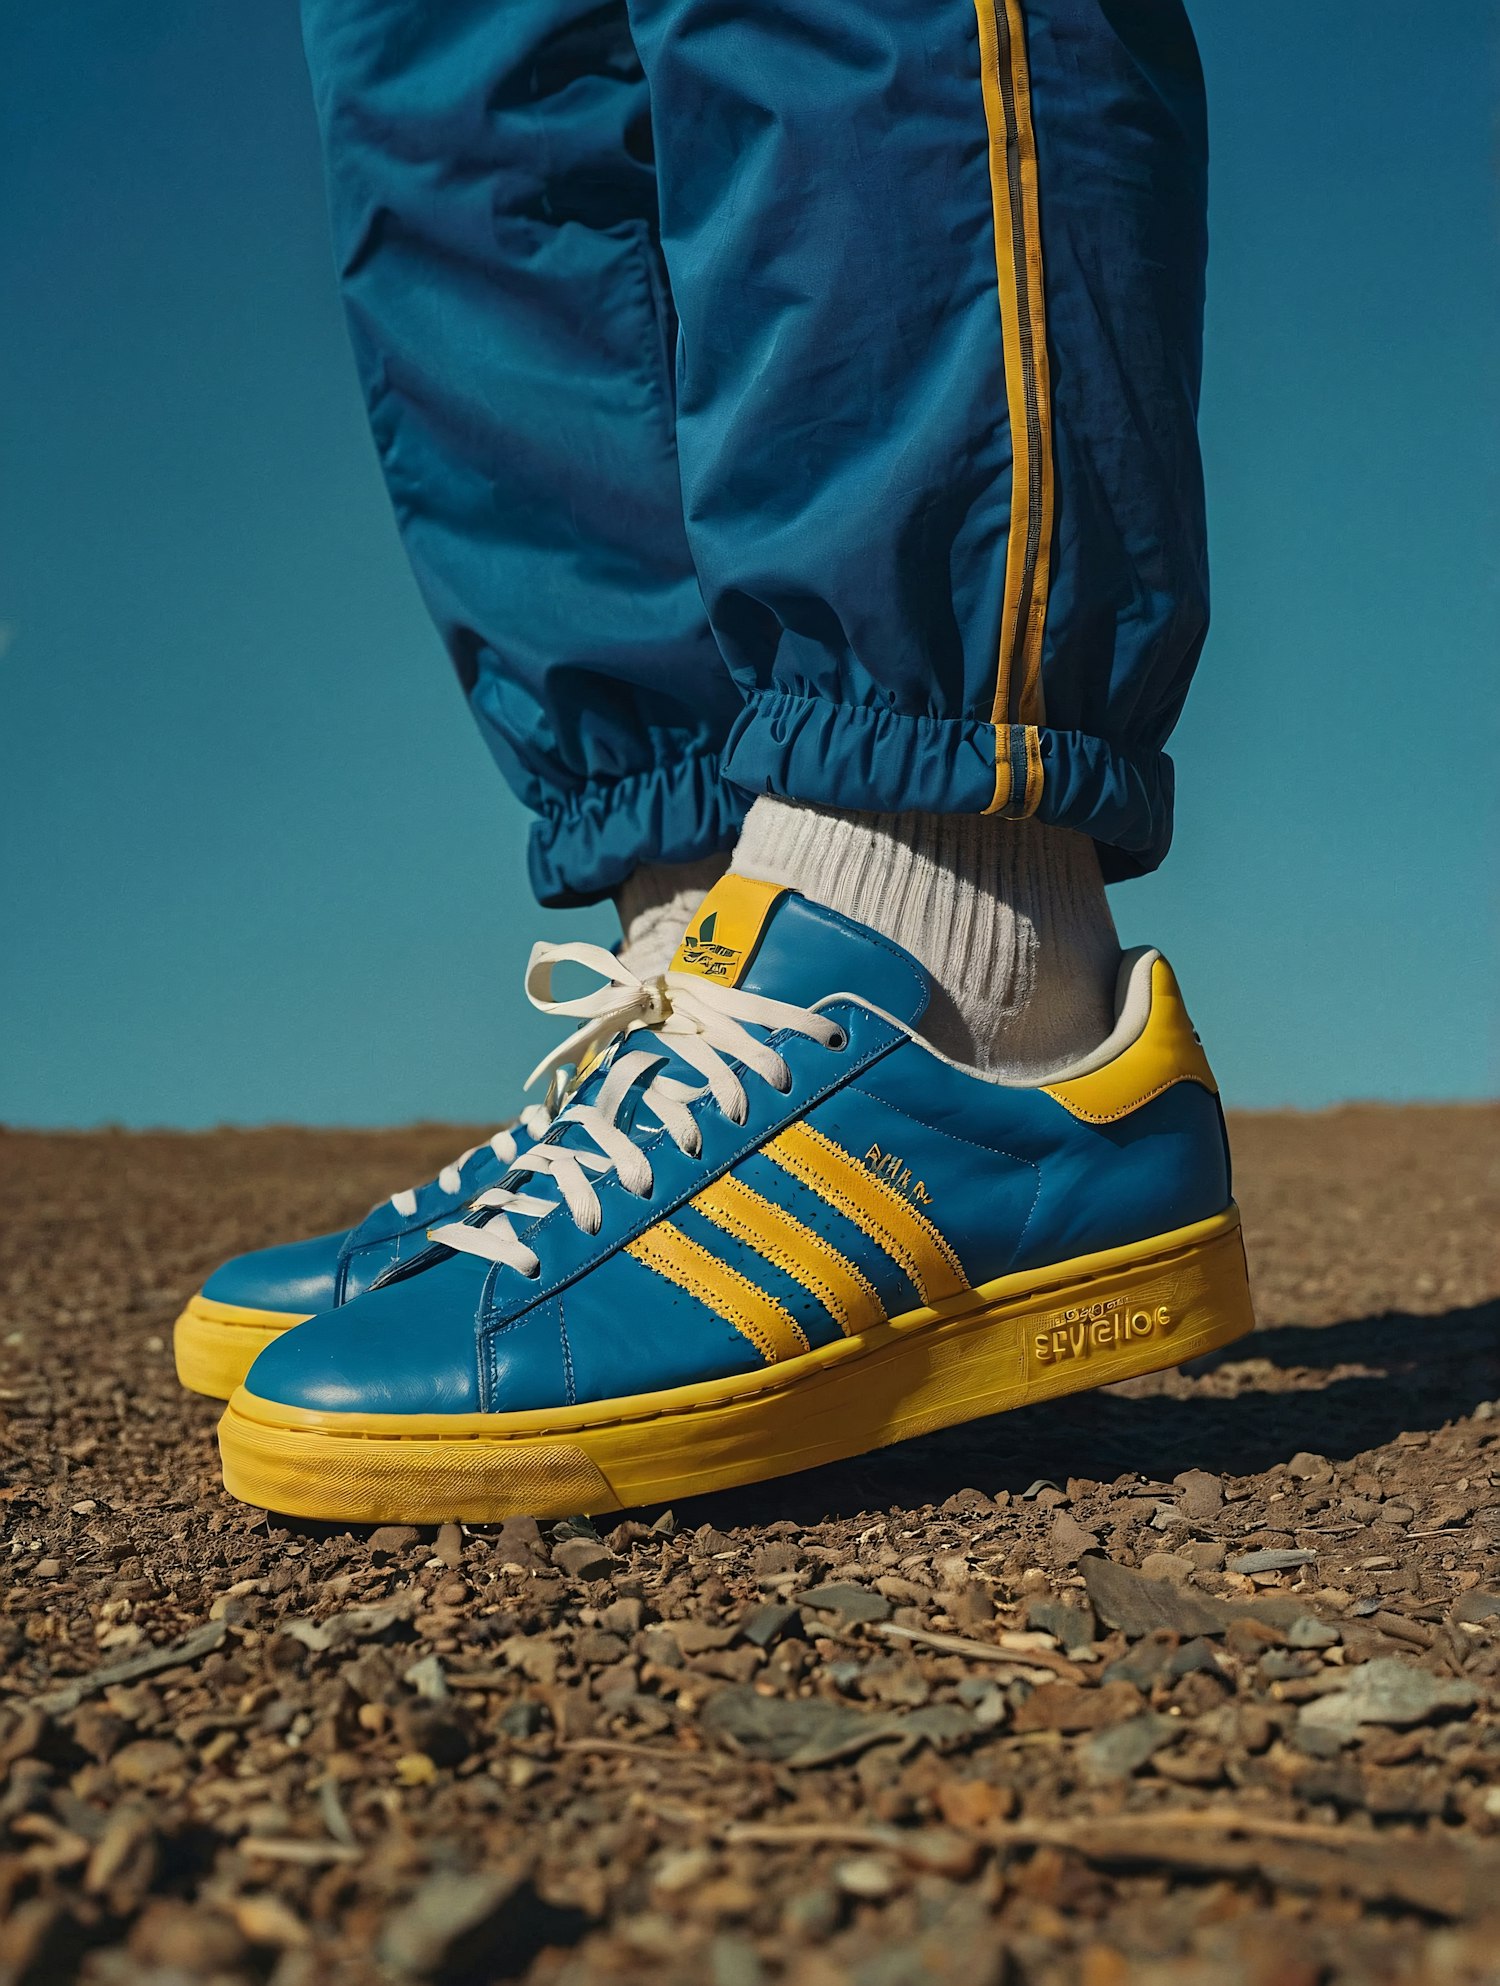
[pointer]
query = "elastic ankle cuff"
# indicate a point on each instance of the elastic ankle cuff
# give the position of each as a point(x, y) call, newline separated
point(585, 845)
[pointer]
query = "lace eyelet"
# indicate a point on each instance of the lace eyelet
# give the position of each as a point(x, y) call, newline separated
point(840, 1042)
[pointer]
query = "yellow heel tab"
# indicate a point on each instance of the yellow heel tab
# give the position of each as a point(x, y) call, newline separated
point(1166, 1051)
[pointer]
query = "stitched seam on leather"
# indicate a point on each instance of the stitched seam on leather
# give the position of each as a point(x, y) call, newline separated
point(672, 1258)
point(1136, 1103)
point(567, 1354)
point(781, 1256)
point(967, 1145)
point(849, 1206)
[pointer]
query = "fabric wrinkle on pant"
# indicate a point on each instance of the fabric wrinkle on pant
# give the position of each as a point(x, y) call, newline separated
point(494, 219)
point(795, 401)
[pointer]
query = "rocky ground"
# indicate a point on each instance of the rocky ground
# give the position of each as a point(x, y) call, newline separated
point(1194, 1680)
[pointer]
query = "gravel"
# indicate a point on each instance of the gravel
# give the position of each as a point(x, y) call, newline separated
point(1196, 1678)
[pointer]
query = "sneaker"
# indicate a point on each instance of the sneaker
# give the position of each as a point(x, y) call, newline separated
point(249, 1302)
point(772, 1228)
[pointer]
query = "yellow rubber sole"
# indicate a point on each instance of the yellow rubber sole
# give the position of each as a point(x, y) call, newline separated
point(215, 1344)
point(1079, 1324)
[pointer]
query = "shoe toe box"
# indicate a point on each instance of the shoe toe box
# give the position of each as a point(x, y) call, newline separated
point(410, 1348)
point(299, 1278)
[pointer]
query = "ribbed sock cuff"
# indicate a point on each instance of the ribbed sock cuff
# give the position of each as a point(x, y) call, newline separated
point(1009, 917)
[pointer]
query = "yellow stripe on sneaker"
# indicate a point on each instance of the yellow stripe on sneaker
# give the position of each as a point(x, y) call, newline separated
point(874, 1206)
point(793, 1247)
point(769, 1326)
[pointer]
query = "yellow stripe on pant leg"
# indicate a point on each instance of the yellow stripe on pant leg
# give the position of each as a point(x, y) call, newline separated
point(1033, 773)
point(769, 1326)
point(874, 1206)
point(793, 1247)
point(1006, 88)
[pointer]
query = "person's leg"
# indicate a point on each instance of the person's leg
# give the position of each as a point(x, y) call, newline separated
point(940, 279)
point(493, 200)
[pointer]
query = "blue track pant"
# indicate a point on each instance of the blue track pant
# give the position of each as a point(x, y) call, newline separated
point(787, 396)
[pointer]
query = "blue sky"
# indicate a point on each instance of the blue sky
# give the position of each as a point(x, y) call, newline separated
point(258, 867)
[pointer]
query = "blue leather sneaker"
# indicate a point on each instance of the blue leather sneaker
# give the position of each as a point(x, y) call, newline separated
point(247, 1304)
point(771, 1228)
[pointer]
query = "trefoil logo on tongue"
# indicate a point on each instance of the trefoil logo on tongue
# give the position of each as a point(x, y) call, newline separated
point(728, 928)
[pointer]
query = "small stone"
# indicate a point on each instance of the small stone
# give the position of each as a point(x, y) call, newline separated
point(390, 1540)
point(904, 1592)
point(971, 1803)
point(1123, 1750)
point(427, 1679)
point(519, 1542)
point(734, 1961)
point(175, 1937)
point(1070, 1621)
point(415, 1769)
point(1069, 1539)
point(1385, 1691)
point(953, 1569)
point(47, 1568)
point(450, 1546)
point(1477, 1606)
point(971, 1605)
point(265, 1920)
point(1309, 1632)
point(1200, 1495)
point(1126, 1599)
point(453, 1923)
point(808, 1731)
point(1147, 1663)
point(97, 1731)
point(584, 1558)
point(1067, 1707)
point(1249, 1639)
point(523, 1719)
point(681, 1869)
point(1309, 1468)
point(851, 1603)
point(764, 1625)
point(147, 1761)
point(866, 1876)
point(811, 1915)
point(622, 1616)
point(1167, 1565)
point(594, 1648)
point(1274, 1559)
point(779, 1557)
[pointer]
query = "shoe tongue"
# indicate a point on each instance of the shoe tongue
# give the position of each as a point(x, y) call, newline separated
point(765, 939)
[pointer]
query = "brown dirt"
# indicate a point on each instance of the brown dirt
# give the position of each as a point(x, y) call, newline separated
point(522, 1753)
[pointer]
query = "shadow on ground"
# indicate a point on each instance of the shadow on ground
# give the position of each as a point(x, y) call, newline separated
point(1337, 1391)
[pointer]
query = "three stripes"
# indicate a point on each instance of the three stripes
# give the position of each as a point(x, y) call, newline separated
point(906, 1235)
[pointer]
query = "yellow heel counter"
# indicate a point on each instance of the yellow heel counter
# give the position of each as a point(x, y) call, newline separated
point(1166, 1051)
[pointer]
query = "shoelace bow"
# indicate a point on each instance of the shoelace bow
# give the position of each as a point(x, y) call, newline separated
point(704, 1023)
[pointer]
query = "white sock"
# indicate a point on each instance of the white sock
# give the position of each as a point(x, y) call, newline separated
point(1009, 917)
point(655, 903)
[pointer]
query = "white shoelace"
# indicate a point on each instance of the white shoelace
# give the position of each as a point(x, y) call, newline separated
point(534, 1120)
point(703, 1022)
